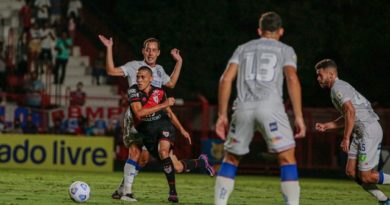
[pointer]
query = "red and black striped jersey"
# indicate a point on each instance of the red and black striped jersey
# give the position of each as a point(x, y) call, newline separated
point(154, 97)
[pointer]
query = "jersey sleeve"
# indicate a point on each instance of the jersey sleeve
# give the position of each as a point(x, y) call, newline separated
point(290, 58)
point(342, 94)
point(129, 69)
point(236, 56)
point(133, 95)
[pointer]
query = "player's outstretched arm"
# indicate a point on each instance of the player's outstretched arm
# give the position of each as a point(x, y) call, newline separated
point(338, 123)
point(110, 68)
point(177, 69)
point(224, 91)
point(140, 112)
point(175, 121)
point(294, 91)
point(349, 123)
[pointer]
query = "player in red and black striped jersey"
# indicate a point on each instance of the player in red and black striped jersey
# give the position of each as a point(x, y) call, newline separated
point(156, 122)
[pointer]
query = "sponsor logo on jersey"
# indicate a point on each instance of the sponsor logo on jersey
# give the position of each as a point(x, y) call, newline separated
point(273, 126)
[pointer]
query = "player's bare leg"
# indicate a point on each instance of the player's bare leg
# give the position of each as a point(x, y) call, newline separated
point(164, 150)
point(351, 171)
point(289, 176)
point(224, 184)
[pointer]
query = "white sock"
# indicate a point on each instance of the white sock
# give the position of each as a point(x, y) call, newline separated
point(375, 191)
point(128, 175)
point(383, 178)
point(223, 188)
point(290, 191)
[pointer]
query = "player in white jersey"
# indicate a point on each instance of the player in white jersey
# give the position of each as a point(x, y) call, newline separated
point(260, 66)
point(138, 156)
point(359, 121)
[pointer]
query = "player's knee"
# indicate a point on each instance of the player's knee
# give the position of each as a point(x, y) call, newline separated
point(164, 153)
point(368, 179)
point(231, 158)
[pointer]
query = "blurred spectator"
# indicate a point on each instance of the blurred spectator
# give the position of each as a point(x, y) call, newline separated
point(77, 97)
point(89, 126)
point(63, 46)
point(81, 125)
point(2, 34)
point(25, 15)
point(74, 9)
point(47, 37)
point(72, 26)
point(114, 130)
point(55, 14)
point(3, 126)
point(3, 73)
point(35, 90)
point(16, 128)
point(34, 46)
point(99, 127)
point(99, 68)
point(57, 127)
point(29, 126)
point(43, 9)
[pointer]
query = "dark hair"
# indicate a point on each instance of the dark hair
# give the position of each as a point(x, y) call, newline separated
point(270, 21)
point(326, 63)
point(149, 40)
point(146, 68)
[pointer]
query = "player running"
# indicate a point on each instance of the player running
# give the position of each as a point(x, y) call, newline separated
point(359, 121)
point(155, 125)
point(138, 157)
point(259, 66)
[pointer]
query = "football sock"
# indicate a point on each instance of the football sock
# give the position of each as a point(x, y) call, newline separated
point(224, 184)
point(383, 178)
point(289, 184)
point(130, 171)
point(375, 191)
point(169, 174)
point(190, 164)
point(120, 187)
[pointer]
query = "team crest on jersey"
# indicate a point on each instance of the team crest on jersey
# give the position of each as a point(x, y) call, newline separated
point(155, 99)
point(165, 133)
point(339, 95)
point(159, 73)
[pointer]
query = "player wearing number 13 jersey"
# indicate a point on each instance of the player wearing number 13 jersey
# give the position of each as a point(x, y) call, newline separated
point(260, 66)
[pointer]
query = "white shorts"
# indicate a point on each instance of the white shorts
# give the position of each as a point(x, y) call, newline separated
point(272, 123)
point(366, 145)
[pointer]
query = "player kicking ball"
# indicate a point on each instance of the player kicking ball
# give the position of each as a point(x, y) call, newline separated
point(359, 121)
point(156, 122)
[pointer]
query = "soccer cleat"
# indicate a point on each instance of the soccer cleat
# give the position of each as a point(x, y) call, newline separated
point(210, 170)
point(128, 197)
point(173, 198)
point(387, 202)
point(116, 195)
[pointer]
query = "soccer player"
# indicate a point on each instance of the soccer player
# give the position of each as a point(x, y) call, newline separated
point(260, 66)
point(155, 123)
point(359, 121)
point(138, 157)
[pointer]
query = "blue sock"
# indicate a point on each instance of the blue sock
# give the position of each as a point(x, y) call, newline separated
point(289, 183)
point(227, 170)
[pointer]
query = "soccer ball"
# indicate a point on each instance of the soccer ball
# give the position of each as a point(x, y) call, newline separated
point(79, 191)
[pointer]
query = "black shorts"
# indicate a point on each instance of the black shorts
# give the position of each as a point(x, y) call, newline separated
point(155, 131)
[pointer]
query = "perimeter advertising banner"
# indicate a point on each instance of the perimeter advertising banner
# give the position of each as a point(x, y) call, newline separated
point(53, 152)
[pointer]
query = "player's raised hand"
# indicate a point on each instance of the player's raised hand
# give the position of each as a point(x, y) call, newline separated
point(176, 54)
point(170, 101)
point(300, 128)
point(321, 127)
point(106, 42)
point(221, 127)
point(187, 136)
point(345, 145)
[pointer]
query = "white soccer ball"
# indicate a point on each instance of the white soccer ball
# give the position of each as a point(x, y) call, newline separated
point(79, 191)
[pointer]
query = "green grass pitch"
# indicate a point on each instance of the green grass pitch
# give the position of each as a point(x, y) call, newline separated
point(51, 187)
